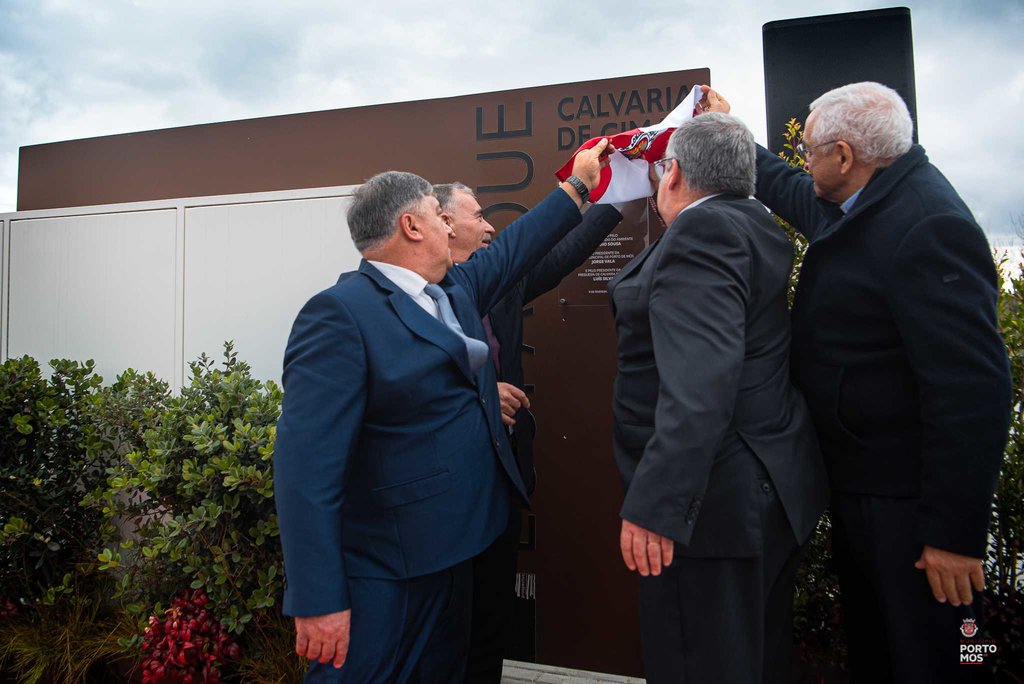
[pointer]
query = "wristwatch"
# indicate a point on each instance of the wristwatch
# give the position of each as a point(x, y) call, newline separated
point(579, 186)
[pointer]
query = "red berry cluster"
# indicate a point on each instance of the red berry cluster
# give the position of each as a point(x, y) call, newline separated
point(187, 645)
point(8, 609)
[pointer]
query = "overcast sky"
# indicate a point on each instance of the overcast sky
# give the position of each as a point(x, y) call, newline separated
point(75, 68)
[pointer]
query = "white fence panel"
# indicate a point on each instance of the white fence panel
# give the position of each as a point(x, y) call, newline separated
point(249, 268)
point(96, 286)
point(3, 289)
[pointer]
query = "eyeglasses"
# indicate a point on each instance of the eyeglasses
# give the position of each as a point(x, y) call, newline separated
point(662, 166)
point(807, 151)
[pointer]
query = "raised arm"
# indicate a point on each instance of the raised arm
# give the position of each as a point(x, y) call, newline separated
point(490, 274)
point(787, 191)
point(571, 251)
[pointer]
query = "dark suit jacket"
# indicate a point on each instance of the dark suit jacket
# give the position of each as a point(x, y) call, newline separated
point(703, 385)
point(391, 460)
point(507, 315)
point(896, 343)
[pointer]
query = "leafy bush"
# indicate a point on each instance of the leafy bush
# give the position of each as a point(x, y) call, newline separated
point(792, 137)
point(187, 644)
point(1004, 567)
point(45, 468)
point(55, 620)
point(817, 616)
point(193, 493)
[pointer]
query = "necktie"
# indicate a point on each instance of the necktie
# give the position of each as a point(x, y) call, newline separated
point(492, 344)
point(475, 349)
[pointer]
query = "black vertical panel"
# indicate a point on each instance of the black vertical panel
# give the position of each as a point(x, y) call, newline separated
point(805, 57)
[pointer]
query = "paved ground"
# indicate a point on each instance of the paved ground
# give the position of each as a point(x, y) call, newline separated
point(523, 673)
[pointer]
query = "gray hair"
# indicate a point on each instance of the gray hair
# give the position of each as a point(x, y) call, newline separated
point(871, 117)
point(716, 154)
point(377, 204)
point(445, 194)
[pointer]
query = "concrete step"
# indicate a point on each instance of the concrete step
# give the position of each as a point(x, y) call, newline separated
point(515, 672)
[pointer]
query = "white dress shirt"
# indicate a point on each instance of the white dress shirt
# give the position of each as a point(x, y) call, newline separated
point(702, 200)
point(411, 283)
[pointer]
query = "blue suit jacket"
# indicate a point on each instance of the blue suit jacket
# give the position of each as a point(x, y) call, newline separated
point(507, 315)
point(391, 460)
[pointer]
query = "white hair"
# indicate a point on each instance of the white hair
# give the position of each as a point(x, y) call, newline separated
point(871, 117)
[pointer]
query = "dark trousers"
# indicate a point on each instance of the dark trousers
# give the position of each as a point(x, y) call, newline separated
point(494, 576)
point(413, 631)
point(724, 620)
point(896, 630)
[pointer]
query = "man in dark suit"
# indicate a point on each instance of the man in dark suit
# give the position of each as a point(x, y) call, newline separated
point(494, 570)
point(896, 346)
point(392, 468)
point(724, 480)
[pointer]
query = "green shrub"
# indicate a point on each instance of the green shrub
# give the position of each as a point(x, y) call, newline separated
point(190, 503)
point(46, 537)
point(792, 136)
point(1004, 567)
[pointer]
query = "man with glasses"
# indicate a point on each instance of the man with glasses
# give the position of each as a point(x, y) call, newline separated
point(723, 477)
point(896, 346)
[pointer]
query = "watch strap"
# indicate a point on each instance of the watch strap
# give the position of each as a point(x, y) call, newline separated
point(579, 186)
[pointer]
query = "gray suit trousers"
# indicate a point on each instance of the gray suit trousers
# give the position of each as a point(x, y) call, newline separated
point(724, 620)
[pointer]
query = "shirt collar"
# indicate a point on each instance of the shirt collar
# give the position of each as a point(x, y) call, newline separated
point(410, 282)
point(702, 200)
point(845, 206)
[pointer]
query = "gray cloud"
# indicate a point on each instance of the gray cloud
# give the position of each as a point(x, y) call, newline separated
point(70, 69)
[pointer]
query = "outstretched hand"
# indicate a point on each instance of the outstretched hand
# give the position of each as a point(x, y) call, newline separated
point(712, 101)
point(588, 163)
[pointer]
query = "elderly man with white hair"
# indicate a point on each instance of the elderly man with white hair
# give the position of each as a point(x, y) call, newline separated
point(896, 346)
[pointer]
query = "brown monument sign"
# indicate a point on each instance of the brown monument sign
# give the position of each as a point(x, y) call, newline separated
point(507, 146)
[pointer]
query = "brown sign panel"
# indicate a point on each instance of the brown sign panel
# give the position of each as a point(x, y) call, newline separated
point(507, 146)
point(588, 286)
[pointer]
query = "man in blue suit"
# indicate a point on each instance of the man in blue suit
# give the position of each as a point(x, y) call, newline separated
point(392, 468)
